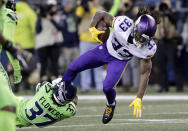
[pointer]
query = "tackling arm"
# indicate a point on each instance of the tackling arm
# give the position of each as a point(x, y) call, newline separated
point(7, 45)
point(145, 69)
point(99, 15)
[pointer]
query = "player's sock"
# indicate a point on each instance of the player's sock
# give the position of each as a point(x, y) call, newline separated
point(7, 121)
point(113, 104)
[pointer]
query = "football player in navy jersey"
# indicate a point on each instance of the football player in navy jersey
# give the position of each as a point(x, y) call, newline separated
point(129, 38)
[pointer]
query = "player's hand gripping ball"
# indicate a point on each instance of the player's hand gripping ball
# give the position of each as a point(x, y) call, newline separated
point(101, 32)
point(101, 26)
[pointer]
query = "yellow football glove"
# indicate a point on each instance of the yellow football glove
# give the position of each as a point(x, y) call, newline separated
point(95, 32)
point(137, 103)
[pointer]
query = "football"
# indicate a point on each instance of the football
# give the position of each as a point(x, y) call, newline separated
point(101, 25)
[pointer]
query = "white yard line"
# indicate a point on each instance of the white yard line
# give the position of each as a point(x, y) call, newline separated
point(153, 120)
point(143, 121)
point(131, 97)
point(130, 114)
point(148, 106)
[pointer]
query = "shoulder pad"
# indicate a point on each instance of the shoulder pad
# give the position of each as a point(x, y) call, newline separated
point(123, 24)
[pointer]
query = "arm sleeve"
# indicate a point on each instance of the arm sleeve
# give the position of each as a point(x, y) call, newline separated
point(9, 29)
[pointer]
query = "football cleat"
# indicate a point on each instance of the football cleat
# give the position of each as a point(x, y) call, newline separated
point(108, 113)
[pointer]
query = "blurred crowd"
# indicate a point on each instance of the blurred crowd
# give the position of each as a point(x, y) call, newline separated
point(52, 33)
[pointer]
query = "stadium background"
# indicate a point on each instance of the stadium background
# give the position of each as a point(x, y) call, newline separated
point(178, 5)
point(163, 112)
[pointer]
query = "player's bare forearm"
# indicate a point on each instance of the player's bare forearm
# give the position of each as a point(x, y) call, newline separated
point(145, 69)
point(102, 15)
point(75, 100)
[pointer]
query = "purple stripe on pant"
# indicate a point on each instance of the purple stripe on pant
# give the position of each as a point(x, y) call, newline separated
point(94, 58)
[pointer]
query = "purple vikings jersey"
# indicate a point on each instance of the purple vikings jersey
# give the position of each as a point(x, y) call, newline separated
point(118, 45)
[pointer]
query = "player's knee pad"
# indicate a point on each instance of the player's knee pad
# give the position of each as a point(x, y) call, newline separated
point(106, 89)
point(108, 86)
point(9, 109)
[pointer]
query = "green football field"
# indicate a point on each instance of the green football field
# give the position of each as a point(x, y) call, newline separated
point(166, 112)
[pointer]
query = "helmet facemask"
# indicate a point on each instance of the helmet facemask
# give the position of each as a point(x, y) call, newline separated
point(140, 39)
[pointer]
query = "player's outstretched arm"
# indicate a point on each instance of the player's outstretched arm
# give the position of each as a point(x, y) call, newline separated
point(145, 69)
point(7, 45)
point(102, 15)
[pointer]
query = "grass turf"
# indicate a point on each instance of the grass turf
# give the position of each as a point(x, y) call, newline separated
point(157, 116)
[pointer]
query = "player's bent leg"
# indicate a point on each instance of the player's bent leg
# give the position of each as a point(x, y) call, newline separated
point(8, 118)
point(115, 70)
point(91, 59)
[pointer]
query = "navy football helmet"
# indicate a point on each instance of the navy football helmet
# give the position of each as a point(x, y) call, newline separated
point(144, 30)
point(64, 92)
